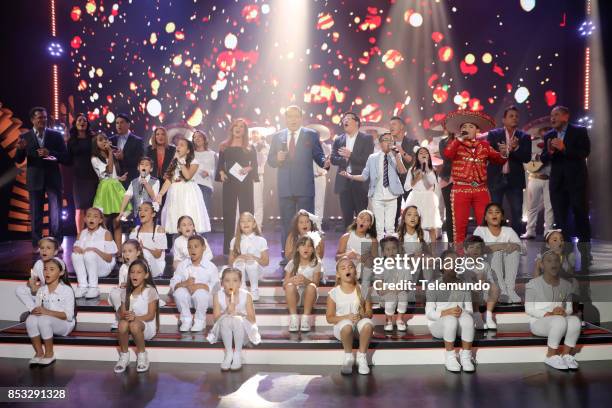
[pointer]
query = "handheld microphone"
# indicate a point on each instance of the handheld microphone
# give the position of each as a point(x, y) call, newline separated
point(143, 175)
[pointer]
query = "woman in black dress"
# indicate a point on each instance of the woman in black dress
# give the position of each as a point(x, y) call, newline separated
point(236, 149)
point(161, 152)
point(84, 178)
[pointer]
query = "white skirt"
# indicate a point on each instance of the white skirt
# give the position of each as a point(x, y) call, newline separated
point(251, 330)
point(184, 198)
point(427, 202)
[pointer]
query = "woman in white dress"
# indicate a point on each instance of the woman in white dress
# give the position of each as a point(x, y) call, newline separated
point(184, 195)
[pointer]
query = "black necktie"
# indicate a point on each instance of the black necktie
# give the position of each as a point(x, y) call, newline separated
point(386, 172)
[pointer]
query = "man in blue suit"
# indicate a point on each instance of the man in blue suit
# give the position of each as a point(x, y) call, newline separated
point(509, 179)
point(45, 150)
point(292, 152)
point(566, 148)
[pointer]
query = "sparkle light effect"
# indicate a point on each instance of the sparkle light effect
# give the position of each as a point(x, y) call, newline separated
point(587, 79)
point(586, 28)
point(56, 51)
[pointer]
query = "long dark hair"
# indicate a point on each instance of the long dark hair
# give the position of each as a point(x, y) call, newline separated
point(74, 133)
point(96, 152)
point(64, 278)
point(150, 204)
point(417, 164)
point(401, 226)
point(148, 283)
point(372, 231)
point(294, 233)
point(174, 163)
point(136, 245)
point(314, 260)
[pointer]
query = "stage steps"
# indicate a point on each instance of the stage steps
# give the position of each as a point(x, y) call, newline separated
point(510, 343)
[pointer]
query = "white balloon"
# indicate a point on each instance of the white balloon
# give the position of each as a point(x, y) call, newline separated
point(154, 107)
point(416, 19)
point(521, 94)
point(528, 5)
point(231, 41)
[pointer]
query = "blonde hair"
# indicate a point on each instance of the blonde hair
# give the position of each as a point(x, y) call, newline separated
point(238, 237)
point(360, 297)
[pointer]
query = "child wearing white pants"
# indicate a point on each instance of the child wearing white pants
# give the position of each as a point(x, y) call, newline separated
point(548, 302)
point(93, 254)
point(130, 251)
point(397, 299)
point(449, 313)
point(192, 284)
point(234, 319)
point(48, 248)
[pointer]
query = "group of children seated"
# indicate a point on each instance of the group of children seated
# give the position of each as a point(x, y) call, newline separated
point(199, 283)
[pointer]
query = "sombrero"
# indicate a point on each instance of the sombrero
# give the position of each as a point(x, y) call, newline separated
point(324, 132)
point(371, 126)
point(533, 127)
point(454, 120)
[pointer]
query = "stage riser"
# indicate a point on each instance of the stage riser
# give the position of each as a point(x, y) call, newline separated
point(487, 355)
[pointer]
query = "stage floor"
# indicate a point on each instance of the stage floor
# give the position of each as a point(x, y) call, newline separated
point(16, 257)
point(93, 384)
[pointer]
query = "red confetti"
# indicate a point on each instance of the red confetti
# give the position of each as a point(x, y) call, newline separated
point(468, 69)
point(75, 13)
point(445, 54)
point(440, 95)
point(371, 113)
point(437, 36)
point(498, 70)
point(432, 79)
point(76, 42)
point(251, 13)
point(325, 21)
point(551, 98)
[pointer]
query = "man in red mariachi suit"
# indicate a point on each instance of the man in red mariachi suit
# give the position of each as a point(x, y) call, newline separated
point(469, 157)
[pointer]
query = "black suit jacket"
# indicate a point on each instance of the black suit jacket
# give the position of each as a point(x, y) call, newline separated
point(363, 148)
point(168, 156)
point(43, 173)
point(568, 169)
point(133, 150)
point(516, 177)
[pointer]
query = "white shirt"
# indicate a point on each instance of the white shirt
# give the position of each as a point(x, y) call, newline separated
point(251, 244)
point(207, 160)
point(308, 271)
point(439, 300)
point(296, 134)
point(40, 137)
point(345, 303)
point(180, 251)
point(38, 270)
point(506, 167)
point(206, 272)
point(96, 239)
point(61, 300)
point(350, 144)
point(100, 168)
point(148, 240)
point(420, 185)
point(123, 274)
point(542, 298)
point(140, 304)
point(154, 187)
point(506, 235)
point(383, 193)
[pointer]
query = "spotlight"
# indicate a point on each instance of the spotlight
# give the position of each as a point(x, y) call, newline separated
point(586, 121)
point(586, 28)
point(64, 215)
point(55, 49)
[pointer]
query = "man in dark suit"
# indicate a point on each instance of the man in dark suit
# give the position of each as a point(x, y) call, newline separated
point(566, 148)
point(292, 151)
point(350, 153)
point(45, 150)
point(405, 145)
point(509, 179)
point(127, 147)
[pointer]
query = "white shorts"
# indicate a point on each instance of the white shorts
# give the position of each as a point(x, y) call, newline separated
point(346, 322)
point(300, 290)
point(150, 330)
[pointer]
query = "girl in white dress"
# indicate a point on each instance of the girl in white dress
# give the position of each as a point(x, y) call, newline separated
point(359, 245)
point(186, 229)
point(302, 276)
point(414, 242)
point(548, 302)
point(234, 319)
point(93, 254)
point(349, 311)
point(48, 248)
point(423, 182)
point(138, 316)
point(249, 252)
point(130, 251)
point(184, 195)
point(449, 313)
point(505, 247)
point(54, 313)
point(152, 239)
point(304, 223)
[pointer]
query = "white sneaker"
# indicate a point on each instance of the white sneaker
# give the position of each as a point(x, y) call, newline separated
point(236, 361)
point(35, 360)
point(570, 361)
point(142, 362)
point(123, 362)
point(305, 323)
point(466, 361)
point(490, 323)
point(479, 324)
point(45, 361)
point(513, 297)
point(92, 293)
point(557, 362)
point(255, 294)
point(79, 292)
point(362, 363)
point(401, 325)
point(347, 364)
point(293, 323)
point(451, 362)
point(114, 325)
point(389, 327)
point(227, 361)
point(198, 325)
point(185, 325)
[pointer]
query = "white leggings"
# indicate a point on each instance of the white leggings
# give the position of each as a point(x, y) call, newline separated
point(89, 267)
point(184, 300)
point(252, 270)
point(24, 294)
point(506, 267)
point(556, 327)
point(448, 327)
point(46, 326)
point(115, 296)
point(231, 328)
point(396, 301)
